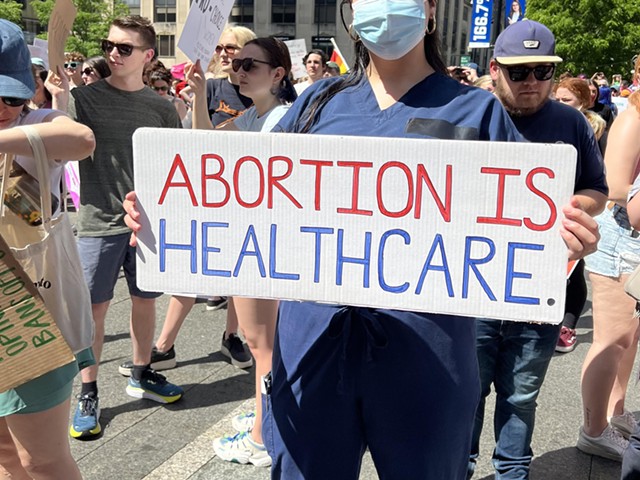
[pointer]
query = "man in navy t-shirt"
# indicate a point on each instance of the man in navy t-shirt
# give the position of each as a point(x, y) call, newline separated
point(514, 356)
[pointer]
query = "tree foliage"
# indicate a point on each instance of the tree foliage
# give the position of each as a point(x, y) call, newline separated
point(11, 10)
point(90, 26)
point(592, 35)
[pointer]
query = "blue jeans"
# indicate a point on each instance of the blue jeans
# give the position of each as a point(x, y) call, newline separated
point(514, 356)
point(631, 458)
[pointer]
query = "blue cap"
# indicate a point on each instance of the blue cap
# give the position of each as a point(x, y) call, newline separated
point(526, 42)
point(16, 78)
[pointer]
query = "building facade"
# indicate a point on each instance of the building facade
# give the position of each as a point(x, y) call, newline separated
point(317, 21)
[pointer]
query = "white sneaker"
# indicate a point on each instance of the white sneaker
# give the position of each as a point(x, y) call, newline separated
point(244, 422)
point(241, 448)
point(626, 423)
point(610, 444)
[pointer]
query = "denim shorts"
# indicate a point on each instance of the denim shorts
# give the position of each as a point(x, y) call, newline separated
point(619, 246)
point(102, 258)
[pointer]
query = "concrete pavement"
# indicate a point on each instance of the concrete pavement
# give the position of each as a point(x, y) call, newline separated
point(145, 440)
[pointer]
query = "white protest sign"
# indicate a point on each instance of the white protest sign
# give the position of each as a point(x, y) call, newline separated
point(203, 28)
point(468, 228)
point(60, 25)
point(297, 51)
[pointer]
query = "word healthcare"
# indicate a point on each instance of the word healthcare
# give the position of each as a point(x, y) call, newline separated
point(467, 228)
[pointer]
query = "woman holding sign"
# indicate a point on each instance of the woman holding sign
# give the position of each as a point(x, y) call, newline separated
point(402, 384)
point(33, 417)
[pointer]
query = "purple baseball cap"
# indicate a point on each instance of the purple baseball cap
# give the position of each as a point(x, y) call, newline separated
point(526, 42)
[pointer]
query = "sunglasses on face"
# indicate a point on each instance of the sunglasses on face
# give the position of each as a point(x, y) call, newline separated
point(124, 49)
point(87, 71)
point(230, 49)
point(13, 102)
point(71, 65)
point(247, 64)
point(163, 88)
point(520, 73)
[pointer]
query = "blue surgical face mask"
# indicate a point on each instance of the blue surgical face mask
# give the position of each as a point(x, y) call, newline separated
point(389, 28)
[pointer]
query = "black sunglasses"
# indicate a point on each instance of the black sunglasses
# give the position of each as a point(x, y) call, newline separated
point(87, 71)
point(73, 65)
point(124, 49)
point(519, 73)
point(229, 48)
point(163, 88)
point(13, 101)
point(245, 63)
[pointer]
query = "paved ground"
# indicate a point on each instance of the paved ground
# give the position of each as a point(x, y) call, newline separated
point(144, 440)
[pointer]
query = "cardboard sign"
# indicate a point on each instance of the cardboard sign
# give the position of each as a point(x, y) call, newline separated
point(202, 30)
point(467, 228)
point(60, 25)
point(30, 342)
point(297, 51)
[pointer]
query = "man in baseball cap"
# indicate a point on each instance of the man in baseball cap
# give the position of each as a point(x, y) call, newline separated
point(523, 65)
point(514, 356)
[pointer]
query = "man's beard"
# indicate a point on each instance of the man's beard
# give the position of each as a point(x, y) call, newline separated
point(509, 103)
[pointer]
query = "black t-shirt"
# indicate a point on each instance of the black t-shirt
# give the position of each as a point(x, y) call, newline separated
point(225, 100)
point(559, 123)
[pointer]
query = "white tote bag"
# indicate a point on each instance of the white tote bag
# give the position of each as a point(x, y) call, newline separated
point(49, 255)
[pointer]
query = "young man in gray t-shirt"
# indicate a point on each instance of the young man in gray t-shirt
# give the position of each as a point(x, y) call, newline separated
point(114, 108)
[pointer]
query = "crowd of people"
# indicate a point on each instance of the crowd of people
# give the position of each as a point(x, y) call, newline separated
point(311, 369)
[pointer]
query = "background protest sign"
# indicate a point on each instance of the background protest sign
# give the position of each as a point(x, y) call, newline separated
point(30, 342)
point(203, 28)
point(297, 51)
point(467, 228)
point(60, 24)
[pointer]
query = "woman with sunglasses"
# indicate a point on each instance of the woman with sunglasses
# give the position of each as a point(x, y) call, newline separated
point(94, 69)
point(33, 417)
point(223, 93)
point(160, 81)
point(262, 69)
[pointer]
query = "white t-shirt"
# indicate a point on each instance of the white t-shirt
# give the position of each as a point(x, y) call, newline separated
point(301, 87)
point(250, 122)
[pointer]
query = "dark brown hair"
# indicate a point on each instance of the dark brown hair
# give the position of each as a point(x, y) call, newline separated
point(139, 24)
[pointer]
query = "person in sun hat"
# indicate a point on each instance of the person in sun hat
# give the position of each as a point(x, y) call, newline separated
point(33, 416)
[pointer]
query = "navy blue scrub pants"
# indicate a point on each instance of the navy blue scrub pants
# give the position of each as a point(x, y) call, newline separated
point(405, 385)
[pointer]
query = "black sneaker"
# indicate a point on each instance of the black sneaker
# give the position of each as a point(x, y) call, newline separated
point(237, 351)
point(159, 361)
point(217, 304)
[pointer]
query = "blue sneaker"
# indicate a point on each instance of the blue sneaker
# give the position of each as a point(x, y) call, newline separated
point(155, 387)
point(86, 421)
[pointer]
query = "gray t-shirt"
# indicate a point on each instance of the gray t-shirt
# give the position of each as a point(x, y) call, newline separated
point(107, 176)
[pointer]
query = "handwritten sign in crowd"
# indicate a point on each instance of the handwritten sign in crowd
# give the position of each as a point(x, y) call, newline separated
point(202, 30)
point(30, 342)
point(467, 228)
